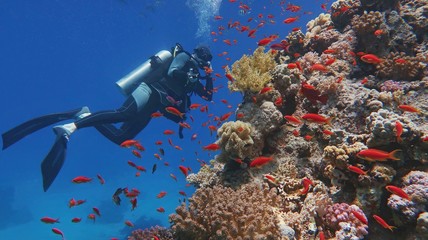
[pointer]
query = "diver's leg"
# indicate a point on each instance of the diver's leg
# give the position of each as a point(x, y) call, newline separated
point(17, 133)
point(147, 103)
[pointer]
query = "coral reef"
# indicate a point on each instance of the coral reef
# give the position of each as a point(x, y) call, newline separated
point(415, 184)
point(251, 73)
point(317, 182)
point(222, 213)
point(158, 231)
point(341, 218)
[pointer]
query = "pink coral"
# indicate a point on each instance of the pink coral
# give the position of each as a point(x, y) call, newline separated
point(339, 217)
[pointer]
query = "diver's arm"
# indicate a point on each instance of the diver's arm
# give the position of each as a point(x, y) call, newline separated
point(175, 69)
point(206, 92)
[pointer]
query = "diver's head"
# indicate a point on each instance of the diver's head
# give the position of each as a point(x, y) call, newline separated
point(202, 54)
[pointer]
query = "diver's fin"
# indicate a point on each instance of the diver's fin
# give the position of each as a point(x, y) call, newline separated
point(17, 133)
point(53, 162)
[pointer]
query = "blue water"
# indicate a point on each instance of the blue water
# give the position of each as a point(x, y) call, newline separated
point(61, 55)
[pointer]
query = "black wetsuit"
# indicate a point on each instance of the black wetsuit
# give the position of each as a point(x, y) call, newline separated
point(136, 112)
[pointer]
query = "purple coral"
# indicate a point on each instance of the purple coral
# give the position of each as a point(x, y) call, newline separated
point(415, 184)
point(390, 86)
point(339, 217)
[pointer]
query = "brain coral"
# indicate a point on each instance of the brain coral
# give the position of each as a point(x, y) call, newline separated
point(222, 213)
point(251, 73)
point(235, 138)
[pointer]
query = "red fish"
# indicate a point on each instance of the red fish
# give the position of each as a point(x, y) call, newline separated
point(225, 116)
point(312, 94)
point(306, 185)
point(408, 108)
point(133, 203)
point(327, 132)
point(59, 232)
point(136, 153)
point(182, 193)
point(278, 102)
point(139, 146)
point(195, 105)
point(49, 220)
point(168, 132)
point(292, 119)
point(270, 178)
point(229, 77)
point(96, 211)
point(360, 217)
point(378, 155)
point(161, 194)
point(265, 90)
point(92, 216)
point(81, 179)
point(398, 131)
point(371, 58)
point(211, 147)
point(160, 209)
point(128, 143)
point(318, 67)
point(397, 191)
point(290, 20)
point(264, 41)
point(382, 222)
point(260, 161)
point(173, 176)
point(71, 203)
point(129, 223)
point(174, 111)
point(184, 170)
point(76, 220)
point(101, 179)
point(156, 115)
point(356, 170)
point(313, 117)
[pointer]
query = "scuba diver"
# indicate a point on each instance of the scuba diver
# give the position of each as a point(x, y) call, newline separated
point(166, 80)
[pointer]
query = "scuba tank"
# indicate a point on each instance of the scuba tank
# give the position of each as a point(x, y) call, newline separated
point(150, 71)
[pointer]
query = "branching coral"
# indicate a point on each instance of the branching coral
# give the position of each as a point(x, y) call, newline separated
point(148, 233)
point(252, 73)
point(222, 213)
point(400, 66)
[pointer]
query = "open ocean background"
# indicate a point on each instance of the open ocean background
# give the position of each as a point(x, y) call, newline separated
point(62, 55)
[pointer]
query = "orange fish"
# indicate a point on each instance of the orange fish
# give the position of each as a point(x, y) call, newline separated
point(264, 41)
point(371, 58)
point(139, 146)
point(128, 143)
point(156, 115)
point(49, 220)
point(174, 111)
point(408, 108)
point(229, 77)
point(378, 32)
point(136, 153)
point(383, 222)
point(290, 20)
point(292, 119)
point(195, 105)
point(161, 194)
point(92, 216)
point(313, 117)
point(140, 168)
point(318, 67)
point(397, 191)
point(225, 116)
point(378, 155)
point(260, 161)
point(81, 179)
point(211, 147)
point(356, 170)
point(398, 131)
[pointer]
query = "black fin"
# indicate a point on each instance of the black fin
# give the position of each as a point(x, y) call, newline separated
point(53, 162)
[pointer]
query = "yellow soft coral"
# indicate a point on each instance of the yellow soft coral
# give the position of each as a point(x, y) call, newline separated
point(252, 73)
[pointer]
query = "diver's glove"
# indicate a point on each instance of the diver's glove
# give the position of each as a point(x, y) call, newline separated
point(192, 76)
